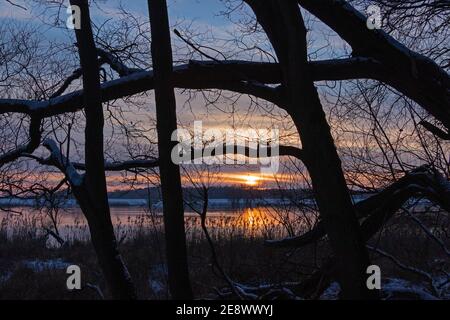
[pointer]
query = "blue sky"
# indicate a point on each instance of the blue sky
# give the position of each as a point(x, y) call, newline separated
point(201, 10)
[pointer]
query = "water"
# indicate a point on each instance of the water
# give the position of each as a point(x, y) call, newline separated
point(128, 220)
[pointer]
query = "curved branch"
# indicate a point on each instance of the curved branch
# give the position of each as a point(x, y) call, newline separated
point(58, 160)
point(413, 74)
point(195, 154)
point(33, 143)
point(378, 208)
point(245, 77)
point(115, 63)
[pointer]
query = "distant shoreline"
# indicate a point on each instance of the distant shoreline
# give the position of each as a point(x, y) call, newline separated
point(114, 202)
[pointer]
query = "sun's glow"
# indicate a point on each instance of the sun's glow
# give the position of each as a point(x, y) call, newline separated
point(251, 180)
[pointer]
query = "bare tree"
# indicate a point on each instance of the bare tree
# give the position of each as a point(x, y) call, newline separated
point(180, 287)
point(288, 82)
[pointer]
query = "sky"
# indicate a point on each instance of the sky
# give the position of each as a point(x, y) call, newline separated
point(203, 12)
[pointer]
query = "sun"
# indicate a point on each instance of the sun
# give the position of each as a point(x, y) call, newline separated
point(251, 180)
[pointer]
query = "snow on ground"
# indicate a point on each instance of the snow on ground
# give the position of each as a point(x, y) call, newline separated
point(158, 288)
point(157, 280)
point(443, 286)
point(399, 289)
point(5, 277)
point(332, 292)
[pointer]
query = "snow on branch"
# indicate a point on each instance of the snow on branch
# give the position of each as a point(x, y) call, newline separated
point(234, 75)
point(57, 159)
point(411, 73)
point(116, 64)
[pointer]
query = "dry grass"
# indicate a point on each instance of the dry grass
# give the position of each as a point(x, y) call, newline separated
point(239, 246)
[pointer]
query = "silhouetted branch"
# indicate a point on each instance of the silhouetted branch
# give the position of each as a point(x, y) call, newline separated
point(422, 181)
point(435, 130)
point(33, 143)
point(57, 159)
point(254, 78)
point(411, 73)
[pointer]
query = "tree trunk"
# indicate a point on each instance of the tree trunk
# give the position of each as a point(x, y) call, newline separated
point(285, 28)
point(92, 195)
point(179, 283)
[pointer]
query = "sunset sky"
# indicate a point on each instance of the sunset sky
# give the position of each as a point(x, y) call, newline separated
point(225, 113)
